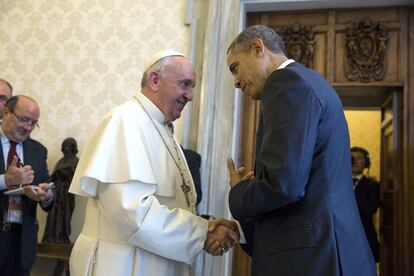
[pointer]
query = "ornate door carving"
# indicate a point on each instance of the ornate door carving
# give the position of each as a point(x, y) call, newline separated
point(366, 45)
point(299, 42)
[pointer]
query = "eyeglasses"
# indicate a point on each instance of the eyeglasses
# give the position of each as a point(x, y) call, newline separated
point(26, 121)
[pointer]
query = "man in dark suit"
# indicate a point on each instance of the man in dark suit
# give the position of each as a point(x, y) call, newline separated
point(298, 213)
point(18, 228)
point(367, 194)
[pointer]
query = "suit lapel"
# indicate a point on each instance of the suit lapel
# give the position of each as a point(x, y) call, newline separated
point(2, 165)
point(28, 153)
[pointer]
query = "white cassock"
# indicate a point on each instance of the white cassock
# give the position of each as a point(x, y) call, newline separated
point(137, 220)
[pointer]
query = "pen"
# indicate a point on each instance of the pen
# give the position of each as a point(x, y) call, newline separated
point(19, 165)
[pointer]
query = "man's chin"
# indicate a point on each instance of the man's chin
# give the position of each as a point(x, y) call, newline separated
point(20, 138)
point(256, 96)
point(176, 116)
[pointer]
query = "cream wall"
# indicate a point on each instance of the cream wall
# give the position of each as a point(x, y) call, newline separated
point(365, 131)
point(80, 58)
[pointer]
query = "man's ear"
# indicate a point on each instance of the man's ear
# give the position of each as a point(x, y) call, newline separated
point(153, 79)
point(6, 111)
point(258, 47)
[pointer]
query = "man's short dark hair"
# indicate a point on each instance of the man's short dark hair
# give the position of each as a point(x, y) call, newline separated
point(11, 103)
point(365, 153)
point(271, 40)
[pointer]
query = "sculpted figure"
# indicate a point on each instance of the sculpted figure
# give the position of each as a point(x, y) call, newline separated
point(58, 226)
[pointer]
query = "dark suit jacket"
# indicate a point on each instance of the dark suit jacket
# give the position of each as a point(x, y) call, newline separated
point(367, 193)
point(35, 155)
point(299, 213)
point(194, 162)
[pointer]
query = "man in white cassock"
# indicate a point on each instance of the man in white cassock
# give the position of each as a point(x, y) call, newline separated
point(140, 216)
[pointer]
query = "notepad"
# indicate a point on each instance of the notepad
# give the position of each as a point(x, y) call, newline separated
point(18, 191)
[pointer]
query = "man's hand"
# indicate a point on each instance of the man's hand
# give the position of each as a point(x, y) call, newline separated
point(15, 176)
point(239, 175)
point(43, 192)
point(222, 234)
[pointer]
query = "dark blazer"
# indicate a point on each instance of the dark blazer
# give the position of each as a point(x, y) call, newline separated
point(194, 163)
point(367, 194)
point(35, 155)
point(299, 213)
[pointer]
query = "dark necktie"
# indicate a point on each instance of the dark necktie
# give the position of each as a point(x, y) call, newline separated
point(12, 153)
point(355, 181)
point(13, 206)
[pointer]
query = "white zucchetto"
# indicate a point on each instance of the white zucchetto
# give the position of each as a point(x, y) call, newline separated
point(160, 55)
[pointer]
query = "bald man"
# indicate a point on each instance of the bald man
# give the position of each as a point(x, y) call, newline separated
point(23, 164)
point(6, 91)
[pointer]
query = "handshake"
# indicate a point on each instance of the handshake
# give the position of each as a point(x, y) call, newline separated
point(222, 234)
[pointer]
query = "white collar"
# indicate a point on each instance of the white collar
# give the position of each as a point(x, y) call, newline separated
point(358, 177)
point(152, 109)
point(285, 63)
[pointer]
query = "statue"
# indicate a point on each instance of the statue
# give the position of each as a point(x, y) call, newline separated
point(58, 222)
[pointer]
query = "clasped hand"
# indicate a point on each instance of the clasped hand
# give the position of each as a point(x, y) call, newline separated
point(222, 235)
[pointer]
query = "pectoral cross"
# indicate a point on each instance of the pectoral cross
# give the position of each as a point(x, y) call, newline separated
point(186, 190)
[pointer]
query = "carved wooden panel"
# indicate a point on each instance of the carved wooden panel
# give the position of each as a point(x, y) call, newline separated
point(366, 46)
point(305, 36)
point(328, 41)
point(299, 42)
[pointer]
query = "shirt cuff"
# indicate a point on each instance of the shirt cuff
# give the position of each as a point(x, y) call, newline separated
point(242, 237)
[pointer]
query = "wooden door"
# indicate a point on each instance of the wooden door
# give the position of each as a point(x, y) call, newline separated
point(390, 185)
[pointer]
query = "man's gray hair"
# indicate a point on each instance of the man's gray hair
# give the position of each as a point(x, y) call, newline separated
point(160, 67)
point(271, 40)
